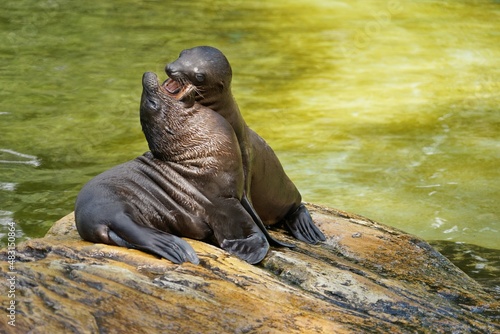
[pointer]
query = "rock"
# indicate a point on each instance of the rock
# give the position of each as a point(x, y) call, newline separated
point(366, 277)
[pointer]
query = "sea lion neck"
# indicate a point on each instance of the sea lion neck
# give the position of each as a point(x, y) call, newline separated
point(225, 105)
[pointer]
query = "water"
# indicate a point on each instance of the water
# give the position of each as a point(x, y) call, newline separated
point(389, 109)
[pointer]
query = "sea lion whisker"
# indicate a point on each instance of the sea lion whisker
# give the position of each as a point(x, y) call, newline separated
point(199, 91)
point(184, 81)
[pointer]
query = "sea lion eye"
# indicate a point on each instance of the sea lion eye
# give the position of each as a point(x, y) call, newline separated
point(200, 77)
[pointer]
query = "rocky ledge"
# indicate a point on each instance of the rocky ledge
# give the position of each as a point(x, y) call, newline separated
point(366, 277)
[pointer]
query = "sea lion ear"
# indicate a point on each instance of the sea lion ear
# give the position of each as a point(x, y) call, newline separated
point(188, 101)
point(220, 85)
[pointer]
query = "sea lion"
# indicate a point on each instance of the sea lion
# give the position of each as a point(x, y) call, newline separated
point(189, 185)
point(273, 195)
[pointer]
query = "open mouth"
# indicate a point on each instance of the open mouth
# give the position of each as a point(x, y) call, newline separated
point(176, 89)
point(172, 86)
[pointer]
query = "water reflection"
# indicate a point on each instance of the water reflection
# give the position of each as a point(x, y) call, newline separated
point(7, 186)
point(480, 263)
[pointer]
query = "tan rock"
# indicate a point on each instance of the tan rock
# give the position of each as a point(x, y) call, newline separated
point(366, 277)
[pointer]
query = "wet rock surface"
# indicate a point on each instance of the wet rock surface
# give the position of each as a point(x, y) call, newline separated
point(366, 277)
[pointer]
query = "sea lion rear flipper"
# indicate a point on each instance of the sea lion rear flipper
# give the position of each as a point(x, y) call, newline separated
point(152, 241)
point(302, 227)
point(249, 208)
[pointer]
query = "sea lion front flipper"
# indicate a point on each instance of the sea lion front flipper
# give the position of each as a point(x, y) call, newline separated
point(152, 241)
point(302, 227)
point(236, 232)
point(251, 249)
point(249, 208)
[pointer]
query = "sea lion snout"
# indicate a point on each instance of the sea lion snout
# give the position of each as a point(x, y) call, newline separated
point(150, 82)
point(170, 92)
point(151, 103)
point(171, 70)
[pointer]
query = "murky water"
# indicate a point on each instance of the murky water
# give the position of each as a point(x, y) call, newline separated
point(389, 109)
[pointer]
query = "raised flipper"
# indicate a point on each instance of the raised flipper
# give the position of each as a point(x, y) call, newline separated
point(249, 208)
point(128, 234)
point(302, 227)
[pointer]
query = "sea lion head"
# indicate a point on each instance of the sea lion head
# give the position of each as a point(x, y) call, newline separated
point(204, 67)
point(161, 112)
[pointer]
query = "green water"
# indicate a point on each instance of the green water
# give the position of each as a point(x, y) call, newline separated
point(389, 109)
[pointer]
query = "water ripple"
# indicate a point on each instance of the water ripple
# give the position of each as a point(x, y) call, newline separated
point(9, 186)
point(30, 159)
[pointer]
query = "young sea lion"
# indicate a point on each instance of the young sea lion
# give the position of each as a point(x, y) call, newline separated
point(272, 194)
point(189, 185)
